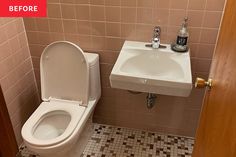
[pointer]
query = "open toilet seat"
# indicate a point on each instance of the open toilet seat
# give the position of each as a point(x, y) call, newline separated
point(59, 110)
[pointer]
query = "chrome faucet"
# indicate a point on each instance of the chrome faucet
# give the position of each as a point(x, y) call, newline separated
point(156, 37)
point(156, 41)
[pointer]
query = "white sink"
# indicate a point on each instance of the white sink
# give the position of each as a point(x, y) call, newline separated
point(160, 71)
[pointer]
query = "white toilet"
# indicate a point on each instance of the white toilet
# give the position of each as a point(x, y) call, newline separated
point(70, 85)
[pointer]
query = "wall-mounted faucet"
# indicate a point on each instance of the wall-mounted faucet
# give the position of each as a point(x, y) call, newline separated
point(156, 37)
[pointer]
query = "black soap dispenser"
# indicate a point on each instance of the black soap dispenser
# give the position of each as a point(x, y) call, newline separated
point(182, 38)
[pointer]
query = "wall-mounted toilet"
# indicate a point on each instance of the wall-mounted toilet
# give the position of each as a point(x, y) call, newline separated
point(70, 86)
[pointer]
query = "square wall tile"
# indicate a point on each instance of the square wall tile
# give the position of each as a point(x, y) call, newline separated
point(54, 11)
point(209, 36)
point(197, 4)
point(144, 15)
point(112, 2)
point(180, 4)
point(98, 28)
point(214, 17)
point(130, 3)
point(113, 29)
point(215, 5)
point(97, 13)
point(42, 24)
point(145, 3)
point(128, 15)
point(55, 25)
point(113, 14)
point(70, 26)
point(68, 11)
point(82, 12)
point(84, 27)
point(195, 18)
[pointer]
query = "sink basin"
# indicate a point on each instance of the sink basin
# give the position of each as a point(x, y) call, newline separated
point(153, 64)
point(160, 71)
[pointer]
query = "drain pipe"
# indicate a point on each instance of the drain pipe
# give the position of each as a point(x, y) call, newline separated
point(151, 100)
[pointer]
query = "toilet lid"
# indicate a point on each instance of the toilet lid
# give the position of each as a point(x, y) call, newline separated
point(64, 72)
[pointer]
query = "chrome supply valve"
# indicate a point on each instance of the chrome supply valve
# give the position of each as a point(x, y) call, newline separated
point(156, 37)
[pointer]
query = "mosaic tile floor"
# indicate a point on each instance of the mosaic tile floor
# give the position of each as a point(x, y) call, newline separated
point(110, 141)
point(24, 152)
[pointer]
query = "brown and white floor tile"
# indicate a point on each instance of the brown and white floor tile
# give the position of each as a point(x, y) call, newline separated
point(108, 141)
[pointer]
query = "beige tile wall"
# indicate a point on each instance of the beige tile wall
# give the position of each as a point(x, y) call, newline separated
point(102, 26)
point(16, 73)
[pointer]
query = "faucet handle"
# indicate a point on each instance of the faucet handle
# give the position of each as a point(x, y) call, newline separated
point(157, 31)
point(156, 37)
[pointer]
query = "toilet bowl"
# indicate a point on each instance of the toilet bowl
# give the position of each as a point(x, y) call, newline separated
point(70, 86)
